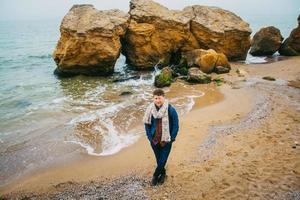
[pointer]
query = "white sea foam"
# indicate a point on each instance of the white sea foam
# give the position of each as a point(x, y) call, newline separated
point(47, 105)
point(112, 143)
point(192, 101)
point(255, 59)
point(188, 106)
point(143, 80)
point(95, 92)
point(100, 113)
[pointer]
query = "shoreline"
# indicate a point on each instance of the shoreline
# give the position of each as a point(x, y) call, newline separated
point(47, 173)
point(238, 104)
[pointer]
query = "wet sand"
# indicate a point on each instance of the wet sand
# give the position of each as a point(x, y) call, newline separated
point(242, 143)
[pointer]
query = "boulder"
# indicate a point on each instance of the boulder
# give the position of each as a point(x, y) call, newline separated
point(195, 75)
point(90, 41)
point(206, 60)
point(164, 78)
point(266, 41)
point(221, 70)
point(193, 57)
point(291, 45)
point(158, 35)
point(155, 35)
point(219, 29)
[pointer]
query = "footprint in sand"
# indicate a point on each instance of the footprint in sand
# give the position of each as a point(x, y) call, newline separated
point(233, 192)
point(229, 154)
point(296, 169)
point(208, 169)
point(225, 184)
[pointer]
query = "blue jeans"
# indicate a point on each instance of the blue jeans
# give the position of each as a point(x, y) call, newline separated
point(161, 155)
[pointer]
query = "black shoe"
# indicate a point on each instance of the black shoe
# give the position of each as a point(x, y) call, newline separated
point(162, 178)
point(154, 181)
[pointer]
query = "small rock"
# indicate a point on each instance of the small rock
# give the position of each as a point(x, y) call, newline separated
point(195, 75)
point(164, 78)
point(122, 79)
point(221, 70)
point(241, 72)
point(235, 87)
point(269, 78)
point(125, 93)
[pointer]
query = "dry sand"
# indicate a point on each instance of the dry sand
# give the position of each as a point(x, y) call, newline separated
point(243, 144)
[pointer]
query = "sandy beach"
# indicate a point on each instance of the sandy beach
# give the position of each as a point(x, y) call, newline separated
point(240, 141)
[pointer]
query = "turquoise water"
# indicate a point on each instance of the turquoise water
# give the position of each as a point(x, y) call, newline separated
point(25, 65)
point(43, 118)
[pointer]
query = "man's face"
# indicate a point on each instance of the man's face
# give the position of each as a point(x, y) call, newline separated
point(158, 100)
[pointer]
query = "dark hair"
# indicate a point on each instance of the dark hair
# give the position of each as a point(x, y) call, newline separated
point(159, 92)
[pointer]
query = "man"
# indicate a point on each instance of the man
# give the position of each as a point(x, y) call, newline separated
point(161, 125)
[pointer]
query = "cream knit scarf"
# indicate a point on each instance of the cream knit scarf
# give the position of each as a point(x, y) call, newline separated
point(161, 113)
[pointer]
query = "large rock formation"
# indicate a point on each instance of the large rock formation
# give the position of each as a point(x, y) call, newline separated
point(221, 30)
point(90, 41)
point(155, 34)
point(266, 41)
point(159, 35)
point(291, 46)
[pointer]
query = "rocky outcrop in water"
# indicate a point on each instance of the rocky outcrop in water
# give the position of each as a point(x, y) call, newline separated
point(266, 41)
point(291, 46)
point(90, 41)
point(159, 35)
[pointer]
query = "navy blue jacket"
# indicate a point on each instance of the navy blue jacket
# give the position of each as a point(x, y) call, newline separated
point(173, 124)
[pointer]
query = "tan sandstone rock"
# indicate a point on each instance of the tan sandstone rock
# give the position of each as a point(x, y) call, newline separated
point(159, 35)
point(155, 34)
point(90, 41)
point(206, 60)
point(219, 29)
point(266, 41)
